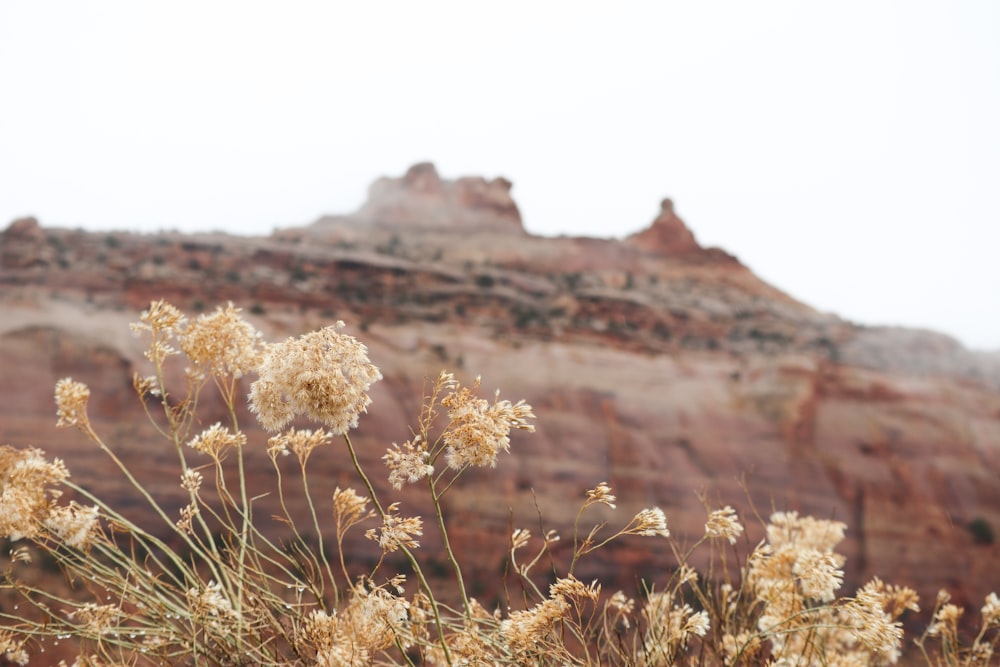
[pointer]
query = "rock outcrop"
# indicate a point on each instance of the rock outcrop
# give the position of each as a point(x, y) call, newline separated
point(668, 234)
point(422, 199)
point(658, 366)
point(23, 245)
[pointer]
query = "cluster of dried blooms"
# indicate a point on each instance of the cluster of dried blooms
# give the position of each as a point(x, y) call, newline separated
point(794, 578)
point(222, 343)
point(209, 585)
point(323, 375)
point(29, 493)
point(478, 430)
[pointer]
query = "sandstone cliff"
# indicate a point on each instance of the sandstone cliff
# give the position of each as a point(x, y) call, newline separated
point(657, 365)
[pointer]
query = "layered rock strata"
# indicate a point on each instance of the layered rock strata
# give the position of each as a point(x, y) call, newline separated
point(666, 369)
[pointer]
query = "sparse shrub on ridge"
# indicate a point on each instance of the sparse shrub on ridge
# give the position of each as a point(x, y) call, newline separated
point(982, 531)
point(227, 594)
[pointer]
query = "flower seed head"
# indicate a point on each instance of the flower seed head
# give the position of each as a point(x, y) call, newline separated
point(650, 523)
point(71, 403)
point(222, 343)
point(601, 494)
point(723, 523)
point(478, 430)
point(324, 375)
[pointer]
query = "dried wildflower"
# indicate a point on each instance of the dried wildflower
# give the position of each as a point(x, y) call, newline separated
point(25, 500)
point(743, 646)
point(160, 316)
point(375, 618)
point(209, 602)
point(685, 574)
point(342, 653)
point(145, 385)
point(324, 375)
point(982, 653)
point(407, 464)
point(21, 554)
point(895, 599)
point(17, 655)
point(474, 643)
point(74, 524)
point(319, 629)
point(669, 628)
point(216, 439)
point(991, 610)
point(97, 619)
point(195, 376)
point(397, 582)
point(396, 531)
point(349, 509)
point(185, 523)
point(222, 343)
point(946, 620)
point(871, 625)
point(601, 494)
point(526, 632)
point(161, 321)
point(277, 447)
point(301, 443)
point(798, 560)
point(12, 648)
point(819, 574)
point(268, 400)
point(648, 522)
point(805, 532)
point(519, 538)
point(621, 602)
point(697, 624)
point(71, 403)
point(478, 430)
point(573, 588)
point(421, 615)
point(680, 621)
point(723, 523)
point(191, 480)
point(623, 606)
point(330, 639)
point(796, 567)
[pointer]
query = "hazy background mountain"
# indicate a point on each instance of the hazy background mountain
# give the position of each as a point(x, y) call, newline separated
point(663, 367)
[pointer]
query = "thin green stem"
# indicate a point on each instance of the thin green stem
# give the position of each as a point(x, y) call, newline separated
point(319, 532)
point(439, 512)
point(243, 537)
point(155, 506)
point(409, 554)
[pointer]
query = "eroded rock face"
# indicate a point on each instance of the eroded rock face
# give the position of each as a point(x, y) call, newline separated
point(668, 234)
point(650, 368)
point(422, 199)
point(22, 245)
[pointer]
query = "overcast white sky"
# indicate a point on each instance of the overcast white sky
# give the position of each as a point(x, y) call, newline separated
point(848, 152)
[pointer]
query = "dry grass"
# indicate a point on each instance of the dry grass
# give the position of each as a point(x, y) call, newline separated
point(206, 585)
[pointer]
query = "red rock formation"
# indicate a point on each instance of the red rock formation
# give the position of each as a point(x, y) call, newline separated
point(657, 366)
point(668, 234)
point(422, 199)
point(23, 245)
